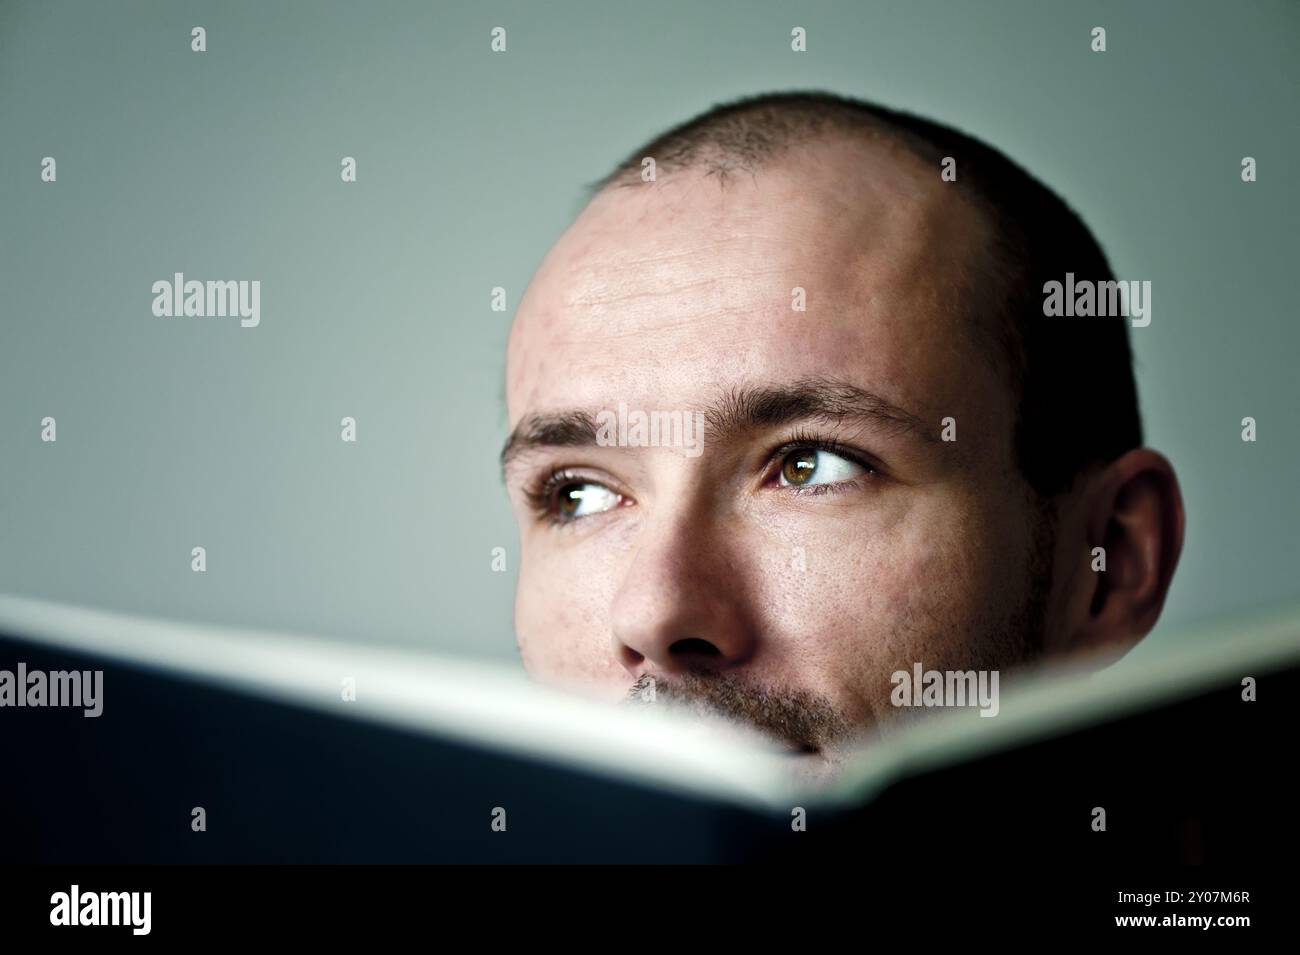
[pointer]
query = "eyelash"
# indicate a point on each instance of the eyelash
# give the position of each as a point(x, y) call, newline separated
point(541, 493)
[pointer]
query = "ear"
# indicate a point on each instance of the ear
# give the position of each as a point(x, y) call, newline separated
point(1134, 511)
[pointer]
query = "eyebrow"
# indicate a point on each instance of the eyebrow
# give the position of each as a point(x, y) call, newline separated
point(743, 408)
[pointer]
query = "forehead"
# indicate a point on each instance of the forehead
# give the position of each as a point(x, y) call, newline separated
point(665, 293)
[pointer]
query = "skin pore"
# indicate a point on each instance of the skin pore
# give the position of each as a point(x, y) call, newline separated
point(826, 536)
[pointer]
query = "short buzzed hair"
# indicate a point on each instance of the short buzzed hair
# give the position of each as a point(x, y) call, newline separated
point(1072, 378)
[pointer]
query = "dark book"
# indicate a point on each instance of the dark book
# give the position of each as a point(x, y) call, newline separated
point(218, 745)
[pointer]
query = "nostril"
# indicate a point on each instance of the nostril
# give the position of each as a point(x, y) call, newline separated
point(694, 647)
point(629, 657)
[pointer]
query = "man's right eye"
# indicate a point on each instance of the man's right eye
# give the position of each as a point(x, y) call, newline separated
point(564, 498)
point(582, 499)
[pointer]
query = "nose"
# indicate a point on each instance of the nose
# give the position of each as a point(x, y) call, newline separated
point(683, 604)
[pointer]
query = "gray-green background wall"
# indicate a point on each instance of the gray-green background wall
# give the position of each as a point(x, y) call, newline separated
point(375, 295)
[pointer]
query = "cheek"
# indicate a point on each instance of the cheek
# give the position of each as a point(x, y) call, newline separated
point(562, 626)
point(941, 591)
point(879, 595)
point(920, 588)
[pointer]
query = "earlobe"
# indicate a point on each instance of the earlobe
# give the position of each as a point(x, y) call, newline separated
point(1135, 524)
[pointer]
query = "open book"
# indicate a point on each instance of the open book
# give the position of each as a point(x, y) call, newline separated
point(190, 743)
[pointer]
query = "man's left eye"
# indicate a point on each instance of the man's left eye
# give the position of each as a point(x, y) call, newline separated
point(809, 466)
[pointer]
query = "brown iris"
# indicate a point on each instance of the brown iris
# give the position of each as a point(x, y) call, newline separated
point(799, 466)
point(569, 499)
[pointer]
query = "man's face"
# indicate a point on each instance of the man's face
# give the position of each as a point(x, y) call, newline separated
point(825, 535)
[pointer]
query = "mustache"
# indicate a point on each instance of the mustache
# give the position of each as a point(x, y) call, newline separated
point(802, 720)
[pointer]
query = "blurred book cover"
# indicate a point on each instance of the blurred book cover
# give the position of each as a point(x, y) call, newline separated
point(141, 740)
